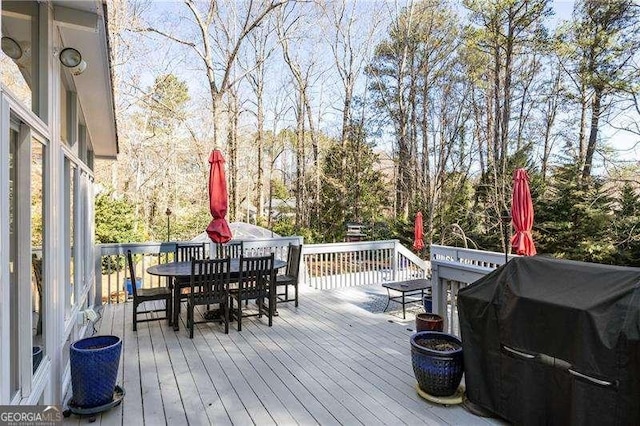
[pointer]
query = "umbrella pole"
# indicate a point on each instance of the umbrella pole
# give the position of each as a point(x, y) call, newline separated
point(506, 220)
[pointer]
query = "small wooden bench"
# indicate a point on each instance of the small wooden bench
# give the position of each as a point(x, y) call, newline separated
point(408, 289)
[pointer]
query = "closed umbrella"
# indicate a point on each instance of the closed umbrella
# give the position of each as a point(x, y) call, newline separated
point(418, 233)
point(218, 230)
point(522, 215)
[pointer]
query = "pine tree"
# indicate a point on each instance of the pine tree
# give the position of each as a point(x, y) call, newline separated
point(355, 194)
point(627, 227)
point(574, 221)
point(598, 50)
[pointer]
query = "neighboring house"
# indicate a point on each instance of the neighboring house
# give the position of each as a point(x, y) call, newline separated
point(56, 118)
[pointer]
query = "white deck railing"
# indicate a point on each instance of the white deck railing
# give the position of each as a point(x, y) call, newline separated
point(454, 268)
point(338, 265)
point(324, 266)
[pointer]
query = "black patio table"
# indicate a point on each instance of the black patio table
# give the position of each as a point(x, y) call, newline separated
point(181, 274)
point(407, 288)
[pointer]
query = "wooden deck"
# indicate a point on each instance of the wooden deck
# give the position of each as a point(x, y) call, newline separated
point(327, 362)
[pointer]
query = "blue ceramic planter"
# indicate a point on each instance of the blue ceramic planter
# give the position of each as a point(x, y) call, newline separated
point(438, 372)
point(94, 370)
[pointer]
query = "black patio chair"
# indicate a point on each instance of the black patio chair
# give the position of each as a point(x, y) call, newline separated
point(141, 295)
point(254, 281)
point(233, 250)
point(185, 252)
point(290, 278)
point(209, 286)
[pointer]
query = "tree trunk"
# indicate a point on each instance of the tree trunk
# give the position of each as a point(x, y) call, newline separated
point(550, 116)
point(259, 148)
point(506, 116)
point(426, 164)
point(346, 119)
point(315, 150)
point(232, 146)
point(300, 163)
point(593, 134)
point(584, 106)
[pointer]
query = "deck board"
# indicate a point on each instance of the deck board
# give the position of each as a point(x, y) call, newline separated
point(248, 394)
point(172, 402)
point(132, 408)
point(256, 357)
point(214, 407)
point(306, 329)
point(326, 362)
point(228, 395)
point(152, 404)
point(371, 378)
point(338, 377)
point(193, 404)
point(248, 367)
point(116, 328)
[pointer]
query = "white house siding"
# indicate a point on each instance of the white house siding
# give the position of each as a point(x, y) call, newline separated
point(46, 189)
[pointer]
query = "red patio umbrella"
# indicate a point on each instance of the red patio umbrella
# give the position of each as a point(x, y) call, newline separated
point(418, 233)
point(218, 229)
point(522, 214)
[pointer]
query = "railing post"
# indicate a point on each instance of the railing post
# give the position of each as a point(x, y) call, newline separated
point(438, 294)
point(97, 264)
point(394, 261)
point(305, 276)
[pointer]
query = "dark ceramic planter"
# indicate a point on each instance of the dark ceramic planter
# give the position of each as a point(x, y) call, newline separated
point(438, 372)
point(94, 370)
point(429, 322)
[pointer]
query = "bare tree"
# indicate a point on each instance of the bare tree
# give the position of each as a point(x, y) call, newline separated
point(261, 50)
point(350, 39)
point(222, 29)
point(304, 71)
point(550, 112)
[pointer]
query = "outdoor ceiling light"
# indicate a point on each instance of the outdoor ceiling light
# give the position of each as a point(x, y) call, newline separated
point(11, 48)
point(71, 58)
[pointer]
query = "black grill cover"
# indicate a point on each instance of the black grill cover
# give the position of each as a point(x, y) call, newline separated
point(550, 341)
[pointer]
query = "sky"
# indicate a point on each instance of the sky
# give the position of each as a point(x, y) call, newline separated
point(170, 57)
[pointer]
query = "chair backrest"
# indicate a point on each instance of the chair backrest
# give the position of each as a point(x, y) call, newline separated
point(256, 274)
point(233, 250)
point(132, 273)
point(293, 260)
point(210, 280)
point(187, 251)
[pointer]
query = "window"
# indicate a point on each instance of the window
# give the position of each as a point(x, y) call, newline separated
point(90, 155)
point(37, 238)
point(64, 115)
point(14, 323)
point(70, 173)
point(82, 143)
point(19, 54)
point(68, 113)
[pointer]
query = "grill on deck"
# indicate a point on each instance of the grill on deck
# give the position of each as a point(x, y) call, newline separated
point(548, 341)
